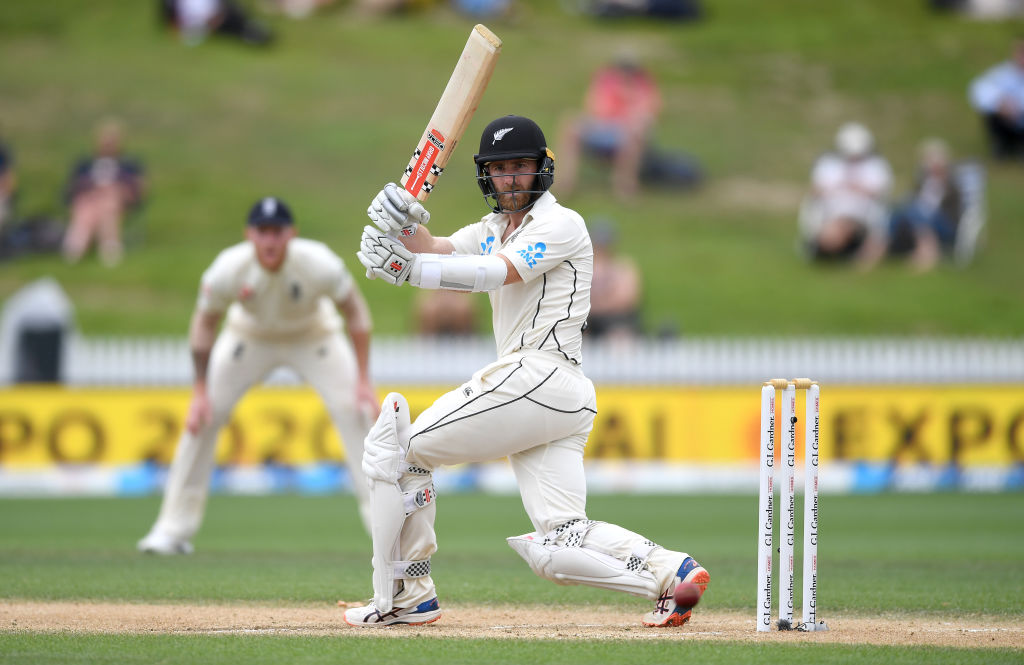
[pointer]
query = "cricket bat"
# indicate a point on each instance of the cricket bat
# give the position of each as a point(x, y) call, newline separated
point(451, 117)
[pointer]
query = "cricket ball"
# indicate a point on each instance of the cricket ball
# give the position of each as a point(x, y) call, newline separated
point(686, 594)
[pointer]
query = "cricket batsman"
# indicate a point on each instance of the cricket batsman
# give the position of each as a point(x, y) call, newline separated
point(533, 405)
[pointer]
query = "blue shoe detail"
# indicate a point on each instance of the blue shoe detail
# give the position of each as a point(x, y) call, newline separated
point(426, 612)
point(687, 565)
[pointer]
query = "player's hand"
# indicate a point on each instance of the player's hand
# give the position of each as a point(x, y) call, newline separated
point(394, 210)
point(199, 412)
point(367, 402)
point(385, 257)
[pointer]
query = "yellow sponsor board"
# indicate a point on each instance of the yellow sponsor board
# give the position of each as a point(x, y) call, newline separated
point(40, 426)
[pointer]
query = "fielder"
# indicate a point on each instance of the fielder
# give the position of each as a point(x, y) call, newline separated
point(534, 405)
point(280, 293)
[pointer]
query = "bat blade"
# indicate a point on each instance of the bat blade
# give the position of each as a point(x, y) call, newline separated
point(454, 110)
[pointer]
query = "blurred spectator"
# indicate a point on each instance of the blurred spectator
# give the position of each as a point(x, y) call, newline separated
point(998, 95)
point(100, 190)
point(619, 112)
point(372, 7)
point(925, 226)
point(845, 215)
point(8, 182)
point(620, 109)
point(196, 19)
point(484, 8)
point(995, 10)
point(445, 313)
point(615, 289)
point(680, 10)
point(300, 8)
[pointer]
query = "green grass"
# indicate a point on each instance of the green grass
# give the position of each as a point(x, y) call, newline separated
point(256, 650)
point(937, 556)
point(323, 119)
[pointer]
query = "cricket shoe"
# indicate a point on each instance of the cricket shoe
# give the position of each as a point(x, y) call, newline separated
point(369, 616)
point(666, 613)
point(158, 543)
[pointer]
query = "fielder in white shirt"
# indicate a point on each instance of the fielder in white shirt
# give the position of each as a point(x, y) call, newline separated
point(281, 295)
point(533, 405)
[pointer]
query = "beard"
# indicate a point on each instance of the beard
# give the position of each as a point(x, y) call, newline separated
point(509, 201)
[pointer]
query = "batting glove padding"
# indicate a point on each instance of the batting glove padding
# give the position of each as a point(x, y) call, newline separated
point(394, 210)
point(385, 257)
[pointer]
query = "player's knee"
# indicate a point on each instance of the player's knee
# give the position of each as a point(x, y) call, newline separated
point(385, 444)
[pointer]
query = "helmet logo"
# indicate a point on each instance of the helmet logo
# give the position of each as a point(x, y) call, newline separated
point(500, 134)
point(269, 206)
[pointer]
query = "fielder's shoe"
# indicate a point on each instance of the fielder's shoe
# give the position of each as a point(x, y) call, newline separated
point(666, 612)
point(158, 543)
point(426, 612)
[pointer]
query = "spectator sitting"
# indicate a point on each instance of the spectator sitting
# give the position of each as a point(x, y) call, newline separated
point(445, 313)
point(100, 190)
point(300, 8)
point(615, 290)
point(998, 95)
point(8, 182)
point(926, 224)
point(680, 10)
point(484, 8)
point(620, 109)
point(195, 19)
point(846, 213)
point(381, 7)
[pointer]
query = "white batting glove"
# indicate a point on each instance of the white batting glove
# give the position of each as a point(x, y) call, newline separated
point(385, 257)
point(394, 210)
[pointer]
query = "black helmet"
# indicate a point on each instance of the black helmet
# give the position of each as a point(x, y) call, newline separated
point(513, 137)
point(270, 211)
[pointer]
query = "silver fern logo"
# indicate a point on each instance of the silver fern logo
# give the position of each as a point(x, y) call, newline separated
point(500, 134)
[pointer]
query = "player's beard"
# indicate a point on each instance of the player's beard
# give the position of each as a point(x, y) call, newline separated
point(512, 201)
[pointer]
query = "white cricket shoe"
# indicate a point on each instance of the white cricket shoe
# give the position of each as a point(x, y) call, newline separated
point(158, 543)
point(666, 613)
point(369, 616)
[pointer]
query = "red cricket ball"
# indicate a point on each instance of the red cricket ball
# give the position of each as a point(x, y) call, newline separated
point(687, 594)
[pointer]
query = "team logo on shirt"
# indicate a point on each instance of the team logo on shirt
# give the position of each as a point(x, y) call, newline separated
point(532, 253)
point(487, 245)
point(296, 291)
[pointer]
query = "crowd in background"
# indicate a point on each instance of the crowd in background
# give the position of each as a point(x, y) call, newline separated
point(101, 190)
point(850, 213)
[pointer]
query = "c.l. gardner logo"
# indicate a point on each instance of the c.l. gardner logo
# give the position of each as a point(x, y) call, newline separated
point(532, 253)
point(487, 246)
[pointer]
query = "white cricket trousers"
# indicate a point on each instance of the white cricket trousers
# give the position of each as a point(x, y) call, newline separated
point(531, 407)
point(238, 362)
point(536, 409)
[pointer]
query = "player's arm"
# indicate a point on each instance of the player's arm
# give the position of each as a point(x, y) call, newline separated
point(201, 335)
point(358, 326)
point(513, 275)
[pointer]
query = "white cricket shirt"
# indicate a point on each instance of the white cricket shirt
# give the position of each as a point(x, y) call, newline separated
point(552, 252)
point(295, 301)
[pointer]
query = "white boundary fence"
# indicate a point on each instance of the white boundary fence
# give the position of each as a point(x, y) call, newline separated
point(408, 360)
